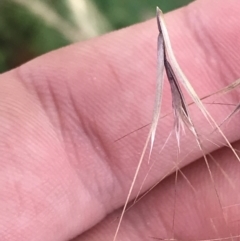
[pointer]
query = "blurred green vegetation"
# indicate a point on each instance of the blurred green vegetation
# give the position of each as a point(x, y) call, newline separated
point(126, 12)
point(29, 28)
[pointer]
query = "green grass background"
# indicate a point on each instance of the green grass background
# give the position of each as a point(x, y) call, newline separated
point(29, 28)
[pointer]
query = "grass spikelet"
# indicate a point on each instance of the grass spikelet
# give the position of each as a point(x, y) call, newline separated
point(167, 60)
point(185, 82)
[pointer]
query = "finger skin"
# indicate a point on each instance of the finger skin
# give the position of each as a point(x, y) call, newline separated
point(62, 112)
point(198, 213)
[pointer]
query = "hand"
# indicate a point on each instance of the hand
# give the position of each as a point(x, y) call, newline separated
point(61, 173)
